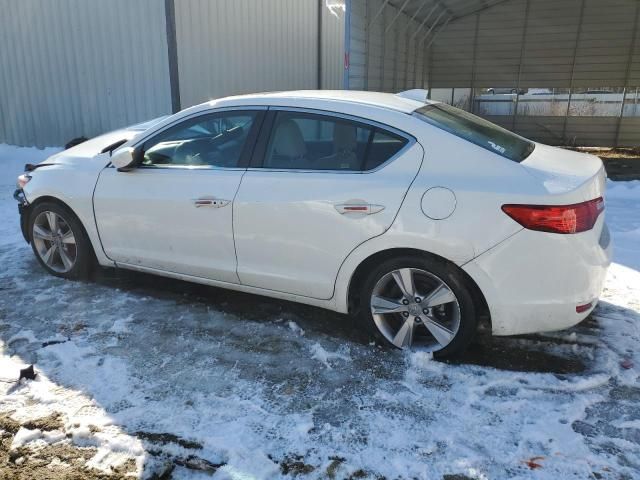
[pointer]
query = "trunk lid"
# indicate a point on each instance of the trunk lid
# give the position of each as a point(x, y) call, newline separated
point(572, 177)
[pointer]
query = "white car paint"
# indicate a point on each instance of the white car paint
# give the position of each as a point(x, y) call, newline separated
point(164, 229)
point(298, 228)
point(283, 236)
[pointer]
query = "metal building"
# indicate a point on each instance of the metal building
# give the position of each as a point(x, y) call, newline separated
point(74, 68)
point(558, 71)
point(567, 71)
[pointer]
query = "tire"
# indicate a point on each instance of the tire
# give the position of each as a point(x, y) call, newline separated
point(442, 300)
point(77, 257)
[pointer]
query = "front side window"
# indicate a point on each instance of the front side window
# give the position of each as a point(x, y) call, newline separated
point(476, 130)
point(320, 142)
point(208, 141)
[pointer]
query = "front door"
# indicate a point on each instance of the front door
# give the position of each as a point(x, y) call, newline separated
point(174, 211)
point(325, 184)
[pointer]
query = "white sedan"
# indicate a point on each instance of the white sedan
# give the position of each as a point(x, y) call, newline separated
point(418, 218)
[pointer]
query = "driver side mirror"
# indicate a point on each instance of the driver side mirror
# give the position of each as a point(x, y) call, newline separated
point(124, 159)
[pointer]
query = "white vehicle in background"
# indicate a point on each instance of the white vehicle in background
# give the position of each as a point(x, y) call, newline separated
point(505, 90)
point(539, 91)
point(416, 217)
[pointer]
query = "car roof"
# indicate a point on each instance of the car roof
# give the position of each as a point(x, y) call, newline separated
point(306, 98)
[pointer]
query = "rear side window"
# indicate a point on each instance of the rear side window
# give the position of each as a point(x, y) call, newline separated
point(476, 130)
point(308, 141)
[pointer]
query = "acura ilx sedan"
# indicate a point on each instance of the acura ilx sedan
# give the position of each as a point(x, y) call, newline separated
point(414, 216)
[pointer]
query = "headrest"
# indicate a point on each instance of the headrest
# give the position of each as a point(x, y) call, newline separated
point(288, 140)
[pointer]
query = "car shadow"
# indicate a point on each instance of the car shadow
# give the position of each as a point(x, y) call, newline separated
point(525, 353)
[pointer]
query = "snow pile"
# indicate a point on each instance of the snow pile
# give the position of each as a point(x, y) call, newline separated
point(623, 205)
point(324, 356)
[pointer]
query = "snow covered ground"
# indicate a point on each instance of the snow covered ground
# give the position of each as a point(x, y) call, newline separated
point(141, 375)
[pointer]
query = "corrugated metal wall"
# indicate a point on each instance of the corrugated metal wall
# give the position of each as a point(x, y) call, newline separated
point(82, 67)
point(549, 44)
point(383, 51)
point(333, 23)
point(227, 48)
point(79, 67)
point(533, 43)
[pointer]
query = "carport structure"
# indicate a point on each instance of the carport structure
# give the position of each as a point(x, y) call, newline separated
point(562, 71)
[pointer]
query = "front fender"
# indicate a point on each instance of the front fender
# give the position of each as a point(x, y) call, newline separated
point(72, 185)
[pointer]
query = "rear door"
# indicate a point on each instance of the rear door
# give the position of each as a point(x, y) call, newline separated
point(320, 184)
point(174, 211)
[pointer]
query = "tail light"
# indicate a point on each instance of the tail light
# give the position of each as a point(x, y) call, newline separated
point(575, 218)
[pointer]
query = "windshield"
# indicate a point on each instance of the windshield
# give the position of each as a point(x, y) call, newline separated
point(476, 130)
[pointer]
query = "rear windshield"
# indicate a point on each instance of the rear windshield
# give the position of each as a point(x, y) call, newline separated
point(476, 130)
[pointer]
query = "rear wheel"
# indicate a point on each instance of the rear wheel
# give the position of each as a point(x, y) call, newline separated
point(59, 241)
point(418, 303)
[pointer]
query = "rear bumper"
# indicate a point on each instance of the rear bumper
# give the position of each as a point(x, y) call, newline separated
point(534, 281)
point(23, 207)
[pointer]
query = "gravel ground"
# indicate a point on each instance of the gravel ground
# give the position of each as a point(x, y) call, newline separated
point(147, 377)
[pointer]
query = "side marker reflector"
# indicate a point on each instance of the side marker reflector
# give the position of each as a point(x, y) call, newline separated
point(584, 308)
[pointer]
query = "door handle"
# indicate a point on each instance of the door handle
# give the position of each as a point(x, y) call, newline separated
point(211, 202)
point(358, 208)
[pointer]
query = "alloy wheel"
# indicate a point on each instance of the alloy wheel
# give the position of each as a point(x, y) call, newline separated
point(413, 308)
point(54, 241)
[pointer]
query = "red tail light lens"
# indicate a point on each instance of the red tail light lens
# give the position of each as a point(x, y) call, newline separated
point(575, 218)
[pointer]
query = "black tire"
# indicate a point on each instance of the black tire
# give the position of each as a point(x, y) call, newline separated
point(446, 272)
point(84, 255)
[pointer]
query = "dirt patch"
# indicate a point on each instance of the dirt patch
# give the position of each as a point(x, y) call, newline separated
point(294, 465)
point(45, 424)
point(57, 461)
point(8, 424)
point(621, 163)
point(617, 152)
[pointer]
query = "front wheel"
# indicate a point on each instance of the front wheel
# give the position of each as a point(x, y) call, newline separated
point(418, 303)
point(59, 241)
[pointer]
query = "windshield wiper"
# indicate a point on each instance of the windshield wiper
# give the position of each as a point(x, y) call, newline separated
point(30, 167)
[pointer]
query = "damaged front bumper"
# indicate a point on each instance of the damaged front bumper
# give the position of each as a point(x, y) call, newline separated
point(23, 207)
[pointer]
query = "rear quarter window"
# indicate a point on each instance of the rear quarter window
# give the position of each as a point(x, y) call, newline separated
point(476, 130)
point(316, 142)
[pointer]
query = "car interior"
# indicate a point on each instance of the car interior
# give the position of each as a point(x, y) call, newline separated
point(319, 144)
point(308, 142)
point(215, 143)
